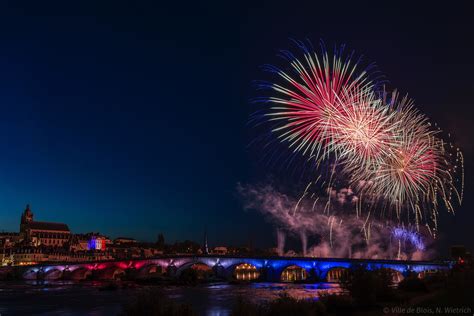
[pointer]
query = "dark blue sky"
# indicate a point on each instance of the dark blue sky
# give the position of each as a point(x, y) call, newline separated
point(131, 119)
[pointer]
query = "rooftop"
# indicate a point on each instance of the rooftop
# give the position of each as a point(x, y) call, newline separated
point(49, 226)
point(9, 234)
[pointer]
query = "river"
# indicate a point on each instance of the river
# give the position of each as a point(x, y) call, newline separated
point(90, 298)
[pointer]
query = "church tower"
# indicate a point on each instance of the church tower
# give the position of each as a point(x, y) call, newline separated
point(26, 218)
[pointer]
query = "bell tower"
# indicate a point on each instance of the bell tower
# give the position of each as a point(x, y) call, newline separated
point(27, 215)
point(26, 218)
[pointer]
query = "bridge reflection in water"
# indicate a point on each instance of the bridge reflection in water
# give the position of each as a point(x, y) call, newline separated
point(272, 269)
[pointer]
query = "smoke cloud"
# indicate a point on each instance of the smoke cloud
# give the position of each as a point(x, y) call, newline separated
point(339, 229)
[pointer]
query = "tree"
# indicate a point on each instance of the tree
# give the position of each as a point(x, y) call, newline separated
point(367, 287)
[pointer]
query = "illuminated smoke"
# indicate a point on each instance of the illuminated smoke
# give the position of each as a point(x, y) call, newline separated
point(304, 242)
point(280, 242)
point(340, 235)
point(413, 237)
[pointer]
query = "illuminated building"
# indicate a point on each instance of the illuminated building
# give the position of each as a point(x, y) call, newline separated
point(124, 240)
point(220, 250)
point(33, 255)
point(96, 243)
point(8, 240)
point(42, 233)
point(89, 242)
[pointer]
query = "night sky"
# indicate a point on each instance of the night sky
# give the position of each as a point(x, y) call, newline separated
point(132, 119)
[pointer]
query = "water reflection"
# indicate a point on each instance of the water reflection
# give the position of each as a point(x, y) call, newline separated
point(90, 298)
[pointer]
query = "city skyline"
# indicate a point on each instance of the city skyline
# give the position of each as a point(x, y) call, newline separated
point(100, 129)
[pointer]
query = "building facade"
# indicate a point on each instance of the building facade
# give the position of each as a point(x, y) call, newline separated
point(89, 242)
point(8, 240)
point(42, 233)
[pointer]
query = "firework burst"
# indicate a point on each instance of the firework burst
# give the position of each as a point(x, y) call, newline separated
point(417, 172)
point(327, 108)
point(364, 132)
point(311, 96)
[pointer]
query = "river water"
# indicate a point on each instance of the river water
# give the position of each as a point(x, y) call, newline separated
point(90, 298)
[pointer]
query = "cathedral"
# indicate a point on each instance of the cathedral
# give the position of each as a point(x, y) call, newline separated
point(42, 233)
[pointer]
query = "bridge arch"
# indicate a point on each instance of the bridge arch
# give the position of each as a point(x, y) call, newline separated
point(397, 276)
point(294, 273)
point(53, 274)
point(427, 272)
point(111, 273)
point(81, 273)
point(335, 274)
point(153, 268)
point(201, 268)
point(244, 271)
point(30, 274)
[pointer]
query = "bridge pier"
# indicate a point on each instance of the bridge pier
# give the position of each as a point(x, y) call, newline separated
point(40, 274)
point(272, 274)
point(315, 276)
point(408, 273)
point(172, 271)
point(67, 274)
point(131, 273)
point(219, 271)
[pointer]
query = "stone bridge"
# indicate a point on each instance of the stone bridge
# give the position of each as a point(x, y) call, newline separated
point(226, 267)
